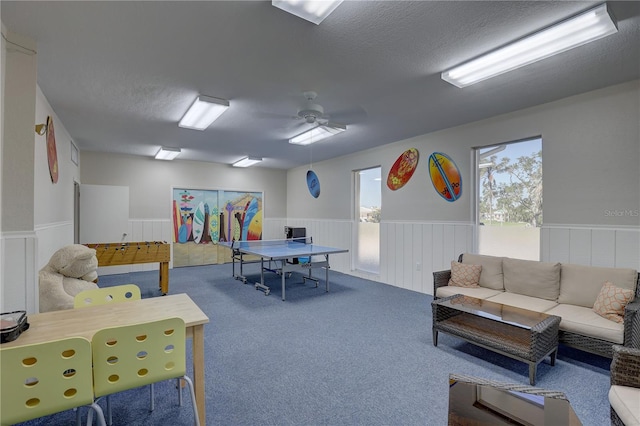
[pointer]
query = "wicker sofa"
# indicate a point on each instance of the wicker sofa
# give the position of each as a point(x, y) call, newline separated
point(566, 290)
point(624, 394)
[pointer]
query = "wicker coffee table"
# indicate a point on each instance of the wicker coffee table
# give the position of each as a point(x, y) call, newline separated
point(520, 334)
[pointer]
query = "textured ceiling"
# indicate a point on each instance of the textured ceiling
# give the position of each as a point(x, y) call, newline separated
point(121, 74)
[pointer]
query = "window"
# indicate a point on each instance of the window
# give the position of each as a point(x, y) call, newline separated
point(509, 199)
point(368, 209)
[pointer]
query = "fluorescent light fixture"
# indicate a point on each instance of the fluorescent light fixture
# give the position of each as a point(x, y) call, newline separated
point(247, 161)
point(204, 111)
point(166, 153)
point(318, 133)
point(312, 10)
point(583, 28)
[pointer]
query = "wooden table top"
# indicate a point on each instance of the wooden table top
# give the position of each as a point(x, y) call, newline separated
point(86, 322)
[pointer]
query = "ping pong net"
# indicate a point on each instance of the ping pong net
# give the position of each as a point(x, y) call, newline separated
point(269, 243)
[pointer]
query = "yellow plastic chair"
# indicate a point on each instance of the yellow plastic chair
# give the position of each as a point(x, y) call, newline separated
point(46, 378)
point(130, 356)
point(105, 295)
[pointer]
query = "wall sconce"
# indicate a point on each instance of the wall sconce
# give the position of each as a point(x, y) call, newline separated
point(41, 129)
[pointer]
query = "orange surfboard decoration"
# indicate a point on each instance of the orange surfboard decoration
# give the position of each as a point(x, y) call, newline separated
point(52, 153)
point(403, 169)
point(445, 176)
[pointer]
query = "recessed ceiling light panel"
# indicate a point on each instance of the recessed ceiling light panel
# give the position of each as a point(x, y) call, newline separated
point(247, 161)
point(204, 111)
point(167, 153)
point(583, 28)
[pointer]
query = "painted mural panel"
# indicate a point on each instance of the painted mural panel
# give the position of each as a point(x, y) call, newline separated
point(203, 218)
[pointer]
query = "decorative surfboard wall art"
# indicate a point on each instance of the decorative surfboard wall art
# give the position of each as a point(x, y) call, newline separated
point(52, 152)
point(445, 176)
point(313, 183)
point(198, 223)
point(250, 212)
point(403, 169)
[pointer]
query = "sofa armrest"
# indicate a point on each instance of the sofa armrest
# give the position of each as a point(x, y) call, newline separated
point(632, 324)
point(440, 279)
point(625, 366)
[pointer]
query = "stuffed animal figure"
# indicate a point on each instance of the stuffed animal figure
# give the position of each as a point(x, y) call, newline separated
point(70, 270)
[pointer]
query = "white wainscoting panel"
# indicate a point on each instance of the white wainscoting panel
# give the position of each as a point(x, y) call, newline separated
point(411, 252)
point(628, 249)
point(19, 274)
point(602, 242)
point(591, 245)
point(52, 237)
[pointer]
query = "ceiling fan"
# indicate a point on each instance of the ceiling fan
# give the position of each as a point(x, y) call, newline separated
point(313, 113)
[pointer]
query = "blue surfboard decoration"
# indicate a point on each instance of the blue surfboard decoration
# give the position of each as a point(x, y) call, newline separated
point(313, 183)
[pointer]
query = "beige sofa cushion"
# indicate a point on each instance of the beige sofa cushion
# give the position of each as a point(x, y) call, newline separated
point(624, 399)
point(532, 278)
point(580, 285)
point(524, 302)
point(477, 292)
point(581, 320)
point(491, 274)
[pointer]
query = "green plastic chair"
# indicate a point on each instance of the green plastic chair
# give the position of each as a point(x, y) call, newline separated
point(46, 378)
point(106, 295)
point(131, 356)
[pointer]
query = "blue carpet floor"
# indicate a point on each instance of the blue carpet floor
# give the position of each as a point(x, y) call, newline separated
point(359, 355)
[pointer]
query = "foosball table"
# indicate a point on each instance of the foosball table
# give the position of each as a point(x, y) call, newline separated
point(118, 254)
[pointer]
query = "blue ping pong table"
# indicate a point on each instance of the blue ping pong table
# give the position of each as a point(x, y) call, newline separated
point(288, 255)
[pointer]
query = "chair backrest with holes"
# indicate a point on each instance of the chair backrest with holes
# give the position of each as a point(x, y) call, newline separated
point(44, 378)
point(105, 295)
point(136, 355)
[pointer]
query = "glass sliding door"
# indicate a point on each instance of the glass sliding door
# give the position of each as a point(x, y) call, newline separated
point(368, 206)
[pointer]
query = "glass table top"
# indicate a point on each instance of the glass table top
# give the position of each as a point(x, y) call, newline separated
point(518, 317)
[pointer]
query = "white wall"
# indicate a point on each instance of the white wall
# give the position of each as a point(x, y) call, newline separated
point(53, 203)
point(591, 157)
point(18, 240)
point(150, 181)
point(3, 62)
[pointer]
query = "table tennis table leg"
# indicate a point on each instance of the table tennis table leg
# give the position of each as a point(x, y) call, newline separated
point(233, 263)
point(283, 278)
point(260, 285)
point(242, 277)
point(326, 269)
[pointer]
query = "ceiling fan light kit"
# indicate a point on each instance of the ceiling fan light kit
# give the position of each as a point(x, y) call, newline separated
point(247, 161)
point(311, 10)
point(580, 29)
point(204, 111)
point(318, 133)
point(167, 153)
